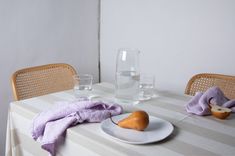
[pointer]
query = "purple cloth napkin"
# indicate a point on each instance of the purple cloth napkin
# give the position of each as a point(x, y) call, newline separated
point(49, 126)
point(199, 104)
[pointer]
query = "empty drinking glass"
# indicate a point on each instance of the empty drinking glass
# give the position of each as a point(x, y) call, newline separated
point(146, 87)
point(83, 86)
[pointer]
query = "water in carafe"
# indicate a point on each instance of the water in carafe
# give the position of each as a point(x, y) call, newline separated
point(127, 76)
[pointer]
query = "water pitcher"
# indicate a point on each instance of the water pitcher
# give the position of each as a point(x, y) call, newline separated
point(127, 76)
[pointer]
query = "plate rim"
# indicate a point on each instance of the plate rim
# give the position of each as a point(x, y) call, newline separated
point(137, 142)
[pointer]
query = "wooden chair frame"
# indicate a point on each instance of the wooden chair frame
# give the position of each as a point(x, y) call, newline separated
point(41, 80)
point(202, 82)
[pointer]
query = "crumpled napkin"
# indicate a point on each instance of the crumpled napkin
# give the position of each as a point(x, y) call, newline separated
point(199, 104)
point(49, 126)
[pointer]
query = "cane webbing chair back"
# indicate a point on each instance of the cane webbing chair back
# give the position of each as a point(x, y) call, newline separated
point(202, 82)
point(41, 80)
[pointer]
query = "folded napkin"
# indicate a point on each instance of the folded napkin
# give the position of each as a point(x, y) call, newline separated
point(49, 126)
point(199, 104)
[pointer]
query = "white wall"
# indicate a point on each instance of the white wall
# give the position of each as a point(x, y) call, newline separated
point(35, 32)
point(177, 38)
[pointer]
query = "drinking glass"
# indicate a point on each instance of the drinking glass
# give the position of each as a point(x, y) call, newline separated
point(146, 87)
point(83, 86)
point(127, 76)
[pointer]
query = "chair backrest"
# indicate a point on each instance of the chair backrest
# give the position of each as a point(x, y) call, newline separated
point(41, 80)
point(202, 82)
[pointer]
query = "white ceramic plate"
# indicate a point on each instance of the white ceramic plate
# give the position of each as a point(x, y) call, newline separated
point(158, 129)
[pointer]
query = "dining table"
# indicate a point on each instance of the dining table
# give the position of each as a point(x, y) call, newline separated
point(191, 135)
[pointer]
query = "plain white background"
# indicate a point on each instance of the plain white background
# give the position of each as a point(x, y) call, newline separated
point(177, 38)
point(35, 32)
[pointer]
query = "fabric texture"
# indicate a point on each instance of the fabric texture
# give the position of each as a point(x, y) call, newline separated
point(199, 104)
point(49, 126)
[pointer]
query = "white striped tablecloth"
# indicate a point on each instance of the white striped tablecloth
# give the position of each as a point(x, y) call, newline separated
point(192, 135)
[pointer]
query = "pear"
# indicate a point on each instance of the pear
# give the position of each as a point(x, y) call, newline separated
point(137, 120)
point(220, 112)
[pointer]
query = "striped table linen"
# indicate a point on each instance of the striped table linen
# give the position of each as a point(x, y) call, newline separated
point(192, 135)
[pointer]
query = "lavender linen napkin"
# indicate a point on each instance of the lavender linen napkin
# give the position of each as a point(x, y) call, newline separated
point(199, 104)
point(49, 126)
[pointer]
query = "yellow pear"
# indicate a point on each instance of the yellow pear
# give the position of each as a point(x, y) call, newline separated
point(137, 120)
point(220, 112)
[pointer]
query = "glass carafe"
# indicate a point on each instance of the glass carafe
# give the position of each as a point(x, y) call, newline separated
point(127, 76)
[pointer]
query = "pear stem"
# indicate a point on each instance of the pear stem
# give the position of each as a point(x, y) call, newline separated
point(112, 119)
point(210, 101)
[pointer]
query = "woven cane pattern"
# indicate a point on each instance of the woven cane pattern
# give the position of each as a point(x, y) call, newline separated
point(41, 80)
point(202, 82)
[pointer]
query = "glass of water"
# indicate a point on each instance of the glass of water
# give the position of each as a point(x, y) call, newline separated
point(83, 86)
point(146, 87)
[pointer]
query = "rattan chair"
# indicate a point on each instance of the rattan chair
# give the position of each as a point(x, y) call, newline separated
point(41, 80)
point(201, 82)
